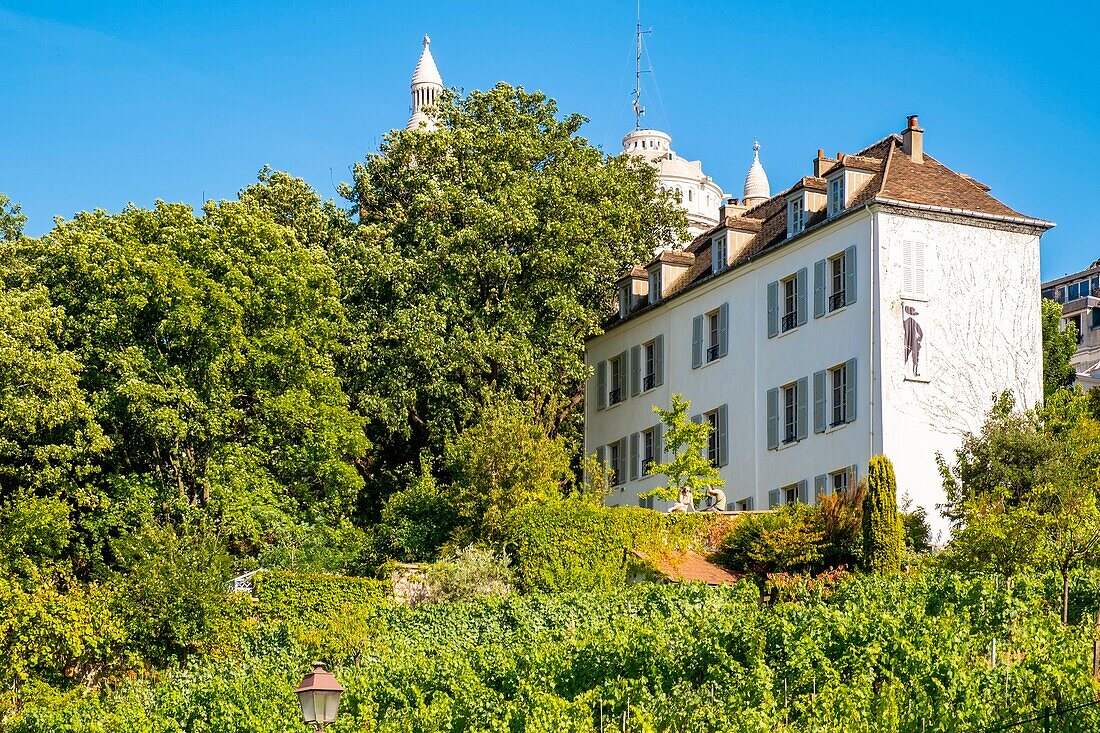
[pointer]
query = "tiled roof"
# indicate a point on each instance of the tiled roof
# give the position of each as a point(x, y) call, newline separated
point(633, 272)
point(687, 567)
point(896, 179)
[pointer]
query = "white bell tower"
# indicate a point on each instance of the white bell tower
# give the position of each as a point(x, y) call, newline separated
point(426, 87)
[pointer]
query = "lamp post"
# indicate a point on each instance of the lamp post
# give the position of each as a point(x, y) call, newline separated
point(319, 695)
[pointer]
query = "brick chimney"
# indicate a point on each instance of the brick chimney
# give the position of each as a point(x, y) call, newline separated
point(912, 140)
point(822, 164)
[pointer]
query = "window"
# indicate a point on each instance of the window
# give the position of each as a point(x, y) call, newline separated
point(1074, 291)
point(712, 440)
point(913, 269)
point(1076, 321)
point(645, 503)
point(655, 285)
point(649, 365)
point(649, 450)
point(838, 378)
point(626, 300)
point(617, 368)
point(836, 195)
point(796, 217)
point(710, 336)
point(790, 494)
point(745, 505)
point(790, 413)
point(1095, 318)
point(837, 281)
point(839, 480)
point(717, 450)
point(719, 254)
point(790, 303)
point(614, 453)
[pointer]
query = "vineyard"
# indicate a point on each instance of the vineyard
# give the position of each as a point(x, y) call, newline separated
point(907, 653)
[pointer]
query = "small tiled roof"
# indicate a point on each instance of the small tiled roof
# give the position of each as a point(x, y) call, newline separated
point(687, 567)
point(673, 257)
point(633, 272)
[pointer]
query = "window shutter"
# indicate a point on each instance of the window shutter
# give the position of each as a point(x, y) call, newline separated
point(723, 329)
point(716, 264)
point(697, 419)
point(850, 275)
point(624, 373)
point(773, 308)
point(750, 503)
point(800, 299)
point(819, 288)
point(801, 419)
point(774, 499)
point(918, 269)
point(659, 360)
point(635, 370)
point(907, 267)
point(804, 491)
point(819, 401)
point(601, 385)
point(633, 456)
point(696, 342)
point(821, 486)
point(773, 418)
point(601, 456)
point(659, 442)
point(853, 476)
point(723, 436)
point(621, 468)
point(850, 390)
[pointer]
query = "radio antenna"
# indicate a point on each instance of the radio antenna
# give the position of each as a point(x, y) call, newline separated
point(639, 110)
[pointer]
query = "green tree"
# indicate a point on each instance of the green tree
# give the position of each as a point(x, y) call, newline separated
point(1069, 530)
point(996, 535)
point(484, 258)
point(11, 220)
point(687, 441)
point(881, 527)
point(1059, 343)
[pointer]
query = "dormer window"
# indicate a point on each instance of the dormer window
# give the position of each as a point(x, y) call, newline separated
point(655, 285)
point(836, 195)
point(626, 300)
point(719, 254)
point(796, 217)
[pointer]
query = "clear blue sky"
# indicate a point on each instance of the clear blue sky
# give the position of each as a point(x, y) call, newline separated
point(108, 102)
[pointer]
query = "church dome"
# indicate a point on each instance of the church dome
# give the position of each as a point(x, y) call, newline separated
point(426, 71)
point(757, 188)
point(426, 86)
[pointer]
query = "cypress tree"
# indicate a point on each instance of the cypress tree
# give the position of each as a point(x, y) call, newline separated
point(881, 527)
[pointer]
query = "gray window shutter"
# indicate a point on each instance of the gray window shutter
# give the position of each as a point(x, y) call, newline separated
point(601, 456)
point(804, 491)
point(819, 288)
point(853, 477)
point(659, 442)
point(696, 342)
point(723, 329)
point(801, 419)
point(850, 391)
point(750, 503)
point(821, 485)
point(635, 370)
point(723, 436)
point(850, 275)
point(624, 373)
point(800, 299)
point(697, 419)
point(633, 456)
point(601, 385)
point(773, 308)
point(773, 418)
point(621, 468)
point(659, 360)
point(774, 498)
point(819, 402)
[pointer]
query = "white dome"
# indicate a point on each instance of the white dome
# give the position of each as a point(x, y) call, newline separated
point(426, 87)
point(756, 182)
point(426, 72)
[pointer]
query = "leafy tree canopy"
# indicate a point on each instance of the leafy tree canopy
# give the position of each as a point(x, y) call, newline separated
point(1059, 343)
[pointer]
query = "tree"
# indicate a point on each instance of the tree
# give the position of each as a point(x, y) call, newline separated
point(687, 441)
point(996, 535)
point(1070, 530)
point(881, 528)
point(484, 257)
point(1059, 343)
point(11, 220)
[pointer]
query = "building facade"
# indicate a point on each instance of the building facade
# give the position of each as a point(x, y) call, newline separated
point(872, 308)
point(1079, 295)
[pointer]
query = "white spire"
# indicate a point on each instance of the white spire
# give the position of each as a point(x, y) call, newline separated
point(426, 86)
point(757, 189)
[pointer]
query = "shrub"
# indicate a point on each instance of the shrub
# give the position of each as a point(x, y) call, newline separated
point(300, 599)
point(881, 528)
point(472, 572)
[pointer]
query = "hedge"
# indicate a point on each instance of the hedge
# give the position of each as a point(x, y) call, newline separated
point(301, 597)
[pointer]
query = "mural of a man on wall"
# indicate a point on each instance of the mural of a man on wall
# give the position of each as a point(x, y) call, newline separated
point(914, 335)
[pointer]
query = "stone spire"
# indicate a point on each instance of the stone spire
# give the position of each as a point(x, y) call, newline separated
point(426, 86)
point(757, 189)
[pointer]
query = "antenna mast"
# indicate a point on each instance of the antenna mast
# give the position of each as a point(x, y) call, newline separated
point(637, 104)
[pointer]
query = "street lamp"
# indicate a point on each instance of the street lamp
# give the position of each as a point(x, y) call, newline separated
point(319, 695)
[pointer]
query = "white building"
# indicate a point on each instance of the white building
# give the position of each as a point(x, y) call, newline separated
point(700, 196)
point(1079, 295)
point(872, 308)
point(425, 89)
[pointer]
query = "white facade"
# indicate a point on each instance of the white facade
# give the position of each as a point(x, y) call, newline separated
point(970, 280)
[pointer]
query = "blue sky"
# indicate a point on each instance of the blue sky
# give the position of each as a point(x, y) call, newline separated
point(106, 103)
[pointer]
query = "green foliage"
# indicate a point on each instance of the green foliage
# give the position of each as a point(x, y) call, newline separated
point(472, 572)
point(882, 538)
point(502, 461)
point(576, 544)
point(417, 521)
point(301, 598)
point(789, 539)
point(862, 655)
point(1059, 344)
point(485, 256)
point(687, 441)
point(11, 220)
